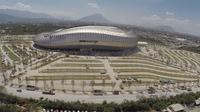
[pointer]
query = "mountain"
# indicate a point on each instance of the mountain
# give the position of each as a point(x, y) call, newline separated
point(165, 28)
point(5, 18)
point(24, 14)
point(96, 18)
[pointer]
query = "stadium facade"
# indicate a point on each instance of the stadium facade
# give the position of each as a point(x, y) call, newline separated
point(87, 37)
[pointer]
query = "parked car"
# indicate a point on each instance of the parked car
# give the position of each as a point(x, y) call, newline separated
point(49, 92)
point(19, 90)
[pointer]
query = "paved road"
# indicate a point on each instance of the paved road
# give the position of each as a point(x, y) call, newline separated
point(112, 74)
point(95, 99)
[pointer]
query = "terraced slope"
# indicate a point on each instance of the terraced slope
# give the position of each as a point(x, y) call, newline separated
point(148, 69)
point(189, 60)
point(1, 59)
point(10, 53)
point(19, 51)
point(73, 69)
point(185, 60)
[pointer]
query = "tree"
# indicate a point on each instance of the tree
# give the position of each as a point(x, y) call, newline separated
point(113, 85)
point(14, 66)
point(129, 84)
point(10, 108)
point(52, 84)
point(103, 82)
point(92, 83)
point(83, 86)
point(62, 83)
point(27, 81)
point(19, 81)
point(184, 82)
point(4, 76)
point(173, 85)
point(45, 85)
point(178, 84)
point(36, 81)
point(72, 83)
point(198, 82)
point(31, 62)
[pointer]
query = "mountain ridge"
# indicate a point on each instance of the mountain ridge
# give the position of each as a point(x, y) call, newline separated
point(95, 18)
point(24, 14)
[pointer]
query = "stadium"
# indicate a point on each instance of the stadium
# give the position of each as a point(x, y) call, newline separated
point(87, 37)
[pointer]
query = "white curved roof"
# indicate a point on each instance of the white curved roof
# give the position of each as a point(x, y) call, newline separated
point(93, 29)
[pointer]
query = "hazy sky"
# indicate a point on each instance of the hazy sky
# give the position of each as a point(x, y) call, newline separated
point(182, 15)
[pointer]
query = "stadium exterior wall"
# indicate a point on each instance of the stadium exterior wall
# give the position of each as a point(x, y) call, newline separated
point(83, 40)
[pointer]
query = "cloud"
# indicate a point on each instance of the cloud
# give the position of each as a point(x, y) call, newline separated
point(169, 13)
point(22, 5)
point(176, 21)
point(155, 17)
point(152, 1)
point(154, 20)
point(181, 25)
point(17, 6)
point(198, 25)
point(94, 5)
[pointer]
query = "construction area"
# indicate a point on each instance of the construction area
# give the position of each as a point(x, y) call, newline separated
point(153, 71)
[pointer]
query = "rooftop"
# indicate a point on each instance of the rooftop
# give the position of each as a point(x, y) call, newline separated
point(176, 107)
point(93, 29)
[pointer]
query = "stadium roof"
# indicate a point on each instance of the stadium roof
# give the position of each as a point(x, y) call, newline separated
point(93, 29)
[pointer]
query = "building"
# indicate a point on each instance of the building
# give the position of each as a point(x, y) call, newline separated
point(174, 108)
point(88, 37)
point(197, 102)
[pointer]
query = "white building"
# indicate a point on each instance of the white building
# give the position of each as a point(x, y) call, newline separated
point(174, 108)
